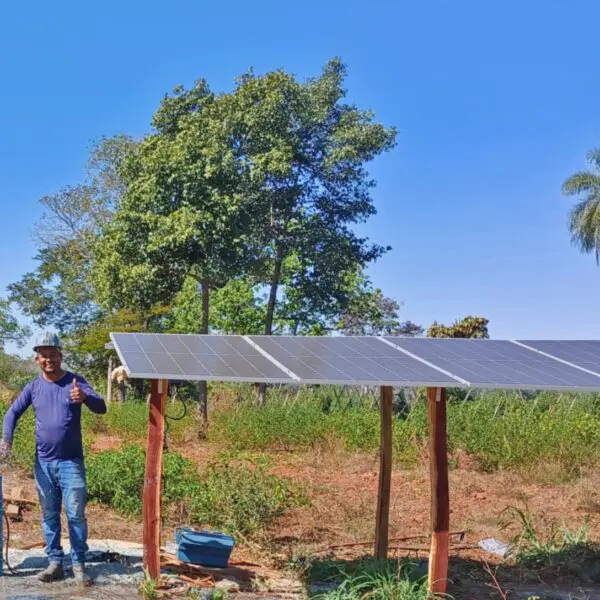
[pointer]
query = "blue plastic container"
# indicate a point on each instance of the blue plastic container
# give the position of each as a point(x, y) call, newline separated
point(205, 548)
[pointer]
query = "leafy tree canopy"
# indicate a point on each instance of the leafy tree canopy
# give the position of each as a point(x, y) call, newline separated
point(469, 327)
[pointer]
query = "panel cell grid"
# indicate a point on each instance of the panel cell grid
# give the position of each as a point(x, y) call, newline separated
point(195, 357)
point(498, 364)
point(350, 361)
point(582, 353)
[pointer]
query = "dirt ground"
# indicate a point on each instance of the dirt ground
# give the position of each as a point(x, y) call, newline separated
point(342, 489)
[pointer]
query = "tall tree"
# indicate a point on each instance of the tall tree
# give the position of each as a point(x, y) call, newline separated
point(584, 221)
point(266, 181)
point(302, 151)
point(58, 291)
point(180, 218)
point(469, 327)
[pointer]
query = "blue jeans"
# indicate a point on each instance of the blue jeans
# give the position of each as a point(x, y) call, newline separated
point(58, 481)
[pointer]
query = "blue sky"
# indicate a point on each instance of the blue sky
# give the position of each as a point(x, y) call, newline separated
point(496, 103)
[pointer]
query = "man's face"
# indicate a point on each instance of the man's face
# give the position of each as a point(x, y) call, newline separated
point(49, 360)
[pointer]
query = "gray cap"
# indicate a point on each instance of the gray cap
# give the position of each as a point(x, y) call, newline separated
point(47, 339)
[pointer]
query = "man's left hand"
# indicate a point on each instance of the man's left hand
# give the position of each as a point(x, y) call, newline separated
point(77, 394)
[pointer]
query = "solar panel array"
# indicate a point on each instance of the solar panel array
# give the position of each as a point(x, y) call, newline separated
point(394, 361)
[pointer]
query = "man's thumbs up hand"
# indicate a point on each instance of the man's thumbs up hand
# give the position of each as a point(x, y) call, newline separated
point(77, 394)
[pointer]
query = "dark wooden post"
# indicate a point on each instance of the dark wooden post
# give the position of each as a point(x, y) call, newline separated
point(385, 475)
point(440, 499)
point(153, 477)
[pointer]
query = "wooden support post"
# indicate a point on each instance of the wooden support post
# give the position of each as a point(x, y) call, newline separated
point(385, 475)
point(153, 477)
point(109, 381)
point(440, 499)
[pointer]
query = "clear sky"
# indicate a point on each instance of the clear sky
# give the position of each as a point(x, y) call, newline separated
point(496, 103)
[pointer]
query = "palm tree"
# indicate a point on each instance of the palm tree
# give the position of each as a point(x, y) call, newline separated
point(584, 222)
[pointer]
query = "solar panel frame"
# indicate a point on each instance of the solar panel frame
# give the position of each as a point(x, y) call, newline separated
point(498, 364)
point(195, 357)
point(341, 360)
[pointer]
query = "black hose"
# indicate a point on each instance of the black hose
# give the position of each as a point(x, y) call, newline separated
point(170, 418)
point(165, 444)
point(180, 417)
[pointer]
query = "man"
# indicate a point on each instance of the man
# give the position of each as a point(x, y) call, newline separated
point(120, 375)
point(56, 397)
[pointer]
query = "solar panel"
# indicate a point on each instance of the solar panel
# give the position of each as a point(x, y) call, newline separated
point(195, 357)
point(584, 354)
point(497, 364)
point(350, 361)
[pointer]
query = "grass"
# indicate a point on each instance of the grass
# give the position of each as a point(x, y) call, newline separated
point(148, 587)
point(130, 420)
point(549, 550)
point(498, 430)
point(365, 579)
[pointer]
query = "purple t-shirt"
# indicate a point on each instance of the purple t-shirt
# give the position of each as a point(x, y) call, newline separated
point(57, 419)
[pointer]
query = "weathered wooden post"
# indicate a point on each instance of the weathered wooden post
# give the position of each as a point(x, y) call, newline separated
point(385, 475)
point(153, 477)
point(440, 498)
point(109, 381)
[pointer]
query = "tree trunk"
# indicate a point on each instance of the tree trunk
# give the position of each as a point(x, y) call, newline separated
point(109, 382)
point(272, 302)
point(203, 391)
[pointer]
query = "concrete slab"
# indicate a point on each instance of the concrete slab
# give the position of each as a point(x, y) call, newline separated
point(116, 568)
point(112, 578)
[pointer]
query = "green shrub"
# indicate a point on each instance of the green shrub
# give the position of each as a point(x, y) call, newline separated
point(505, 431)
point(230, 493)
point(130, 420)
point(317, 417)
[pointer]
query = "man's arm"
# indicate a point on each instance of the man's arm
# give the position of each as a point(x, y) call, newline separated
point(13, 414)
point(93, 401)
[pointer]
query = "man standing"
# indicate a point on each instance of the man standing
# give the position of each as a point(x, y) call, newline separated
point(56, 397)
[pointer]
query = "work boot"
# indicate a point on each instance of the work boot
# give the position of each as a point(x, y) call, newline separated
point(81, 577)
point(53, 572)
